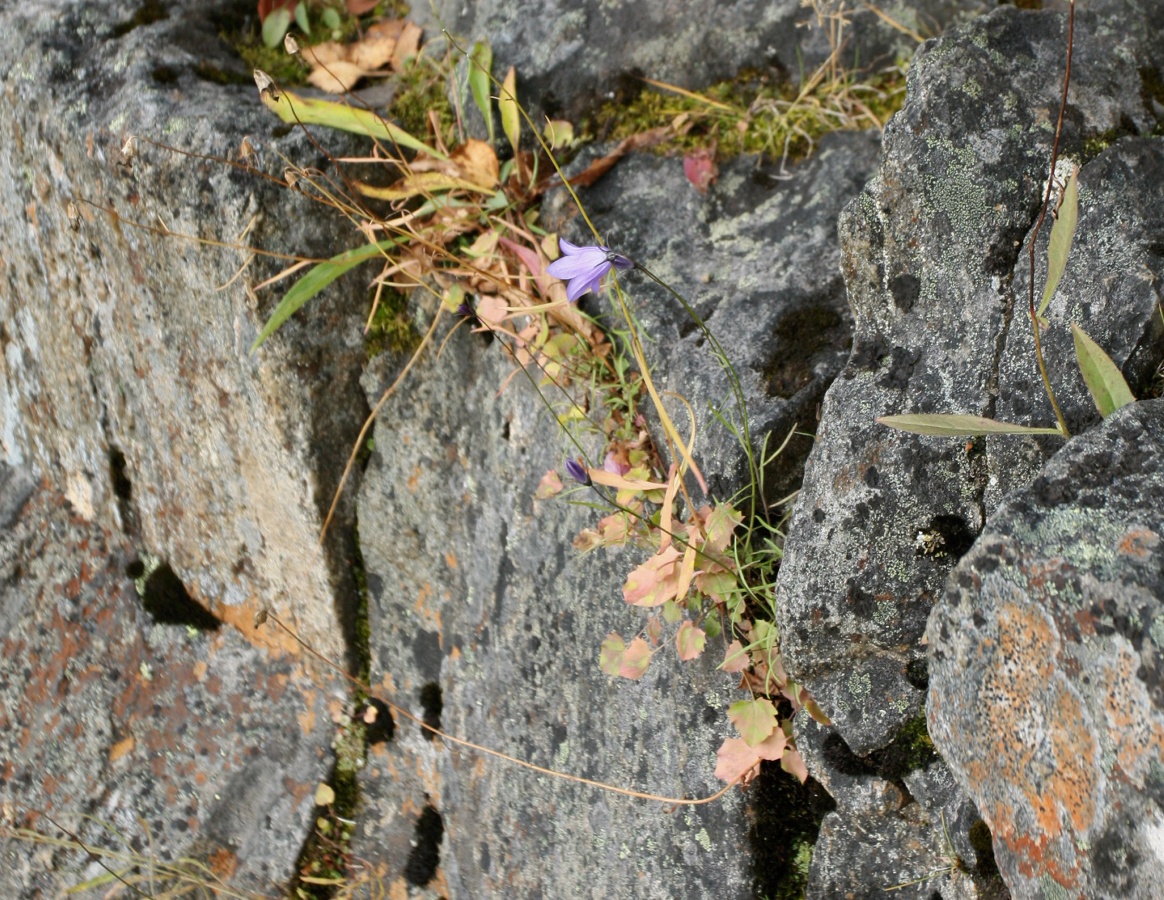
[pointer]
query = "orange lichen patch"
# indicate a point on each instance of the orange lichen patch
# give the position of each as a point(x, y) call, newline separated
point(440, 884)
point(121, 748)
point(414, 478)
point(1132, 723)
point(431, 616)
point(398, 890)
point(307, 716)
point(451, 559)
point(200, 670)
point(454, 654)
point(269, 636)
point(298, 791)
point(222, 863)
point(1139, 542)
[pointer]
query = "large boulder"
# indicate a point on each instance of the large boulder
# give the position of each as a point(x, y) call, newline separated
point(1045, 675)
point(934, 273)
point(128, 387)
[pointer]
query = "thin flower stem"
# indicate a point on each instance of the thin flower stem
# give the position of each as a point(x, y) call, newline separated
point(1039, 224)
point(497, 754)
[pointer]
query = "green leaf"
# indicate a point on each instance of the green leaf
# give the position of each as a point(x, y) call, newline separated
point(319, 277)
point(275, 26)
point(507, 107)
point(957, 426)
point(1062, 234)
point(480, 65)
point(610, 656)
point(671, 612)
point(754, 719)
point(330, 17)
point(301, 18)
point(295, 109)
point(1103, 377)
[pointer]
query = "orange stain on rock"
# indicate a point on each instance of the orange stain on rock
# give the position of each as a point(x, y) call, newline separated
point(1139, 542)
point(121, 748)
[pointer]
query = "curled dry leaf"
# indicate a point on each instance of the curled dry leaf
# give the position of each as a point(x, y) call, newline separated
point(337, 77)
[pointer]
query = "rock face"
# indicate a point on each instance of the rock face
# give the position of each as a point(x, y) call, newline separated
point(484, 618)
point(151, 742)
point(128, 386)
point(1046, 656)
point(571, 56)
point(932, 266)
point(935, 266)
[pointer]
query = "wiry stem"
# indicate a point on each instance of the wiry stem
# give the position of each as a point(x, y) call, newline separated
point(1039, 224)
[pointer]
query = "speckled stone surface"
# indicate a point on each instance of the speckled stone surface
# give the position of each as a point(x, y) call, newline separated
point(147, 741)
point(1046, 659)
point(931, 255)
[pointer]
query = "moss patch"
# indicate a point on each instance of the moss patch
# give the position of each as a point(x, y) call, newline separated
point(391, 330)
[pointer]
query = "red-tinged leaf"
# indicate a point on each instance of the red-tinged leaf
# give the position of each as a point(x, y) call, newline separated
point(754, 719)
point(700, 168)
point(359, 7)
point(655, 581)
point(735, 659)
point(689, 641)
point(793, 763)
point(549, 486)
point(532, 261)
point(492, 309)
point(588, 539)
point(773, 747)
point(655, 629)
point(635, 660)
point(611, 655)
point(736, 760)
point(721, 524)
point(614, 529)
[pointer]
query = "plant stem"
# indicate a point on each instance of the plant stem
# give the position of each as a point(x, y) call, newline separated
point(1039, 224)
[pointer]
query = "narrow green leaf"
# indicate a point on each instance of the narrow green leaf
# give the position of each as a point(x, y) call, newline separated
point(480, 65)
point(317, 278)
point(301, 18)
point(507, 107)
point(957, 426)
point(292, 108)
point(275, 26)
point(1103, 377)
point(1062, 234)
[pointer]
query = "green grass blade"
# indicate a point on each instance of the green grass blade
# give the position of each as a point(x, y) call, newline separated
point(480, 66)
point(1104, 379)
point(319, 277)
point(1062, 234)
point(332, 114)
point(957, 426)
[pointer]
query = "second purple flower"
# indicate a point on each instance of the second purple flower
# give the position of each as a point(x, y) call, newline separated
point(583, 267)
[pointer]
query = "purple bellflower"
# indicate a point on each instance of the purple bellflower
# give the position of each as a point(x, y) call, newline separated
point(576, 469)
point(583, 267)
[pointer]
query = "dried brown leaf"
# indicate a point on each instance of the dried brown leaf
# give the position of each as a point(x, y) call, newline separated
point(338, 78)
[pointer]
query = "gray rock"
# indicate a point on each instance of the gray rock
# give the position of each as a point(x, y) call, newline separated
point(152, 742)
point(476, 596)
point(1046, 653)
point(127, 384)
point(931, 262)
point(127, 369)
point(572, 56)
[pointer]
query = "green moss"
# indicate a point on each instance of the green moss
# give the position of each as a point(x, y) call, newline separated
point(915, 741)
point(752, 113)
point(391, 329)
point(419, 89)
point(786, 817)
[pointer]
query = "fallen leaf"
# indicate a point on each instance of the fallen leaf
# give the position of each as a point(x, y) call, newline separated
point(601, 166)
point(373, 52)
point(407, 45)
point(324, 795)
point(700, 168)
point(477, 162)
point(338, 77)
point(324, 54)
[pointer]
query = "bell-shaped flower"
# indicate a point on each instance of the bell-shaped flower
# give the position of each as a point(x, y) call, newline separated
point(583, 267)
